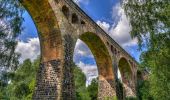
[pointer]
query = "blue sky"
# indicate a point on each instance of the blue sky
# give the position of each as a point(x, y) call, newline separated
point(106, 13)
point(99, 10)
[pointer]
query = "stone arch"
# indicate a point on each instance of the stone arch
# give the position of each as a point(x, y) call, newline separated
point(49, 74)
point(126, 76)
point(65, 11)
point(104, 64)
point(74, 19)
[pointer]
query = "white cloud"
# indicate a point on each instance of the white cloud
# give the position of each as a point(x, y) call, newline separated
point(81, 50)
point(89, 70)
point(29, 49)
point(121, 32)
point(105, 26)
point(116, 12)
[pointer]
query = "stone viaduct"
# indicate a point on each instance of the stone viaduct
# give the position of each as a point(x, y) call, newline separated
point(60, 23)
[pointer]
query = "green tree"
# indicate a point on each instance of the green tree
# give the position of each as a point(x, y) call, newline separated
point(149, 19)
point(119, 89)
point(20, 84)
point(80, 84)
point(10, 27)
point(22, 81)
point(150, 23)
point(93, 89)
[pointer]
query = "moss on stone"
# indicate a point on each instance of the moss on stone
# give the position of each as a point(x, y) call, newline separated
point(111, 98)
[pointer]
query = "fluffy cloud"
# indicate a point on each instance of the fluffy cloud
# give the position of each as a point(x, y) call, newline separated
point(120, 32)
point(82, 49)
point(105, 26)
point(29, 49)
point(89, 70)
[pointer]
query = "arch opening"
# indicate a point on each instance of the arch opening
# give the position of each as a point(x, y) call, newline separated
point(65, 11)
point(85, 72)
point(125, 77)
point(106, 85)
point(82, 22)
point(101, 55)
point(74, 18)
point(125, 71)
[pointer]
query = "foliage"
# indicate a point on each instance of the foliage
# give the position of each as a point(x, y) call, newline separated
point(93, 89)
point(80, 84)
point(10, 27)
point(19, 85)
point(159, 78)
point(149, 18)
point(83, 92)
point(131, 98)
point(119, 89)
point(143, 90)
point(150, 23)
point(22, 81)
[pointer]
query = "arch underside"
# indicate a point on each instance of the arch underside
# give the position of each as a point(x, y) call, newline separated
point(49, 76)
point(100, 52)
point(104, 64)
point(126, 76)
point(47, 26)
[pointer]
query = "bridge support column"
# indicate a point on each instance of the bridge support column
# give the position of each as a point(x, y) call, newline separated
point(55, 80)
point(106, 89)
point(68, 86)
point(48, 85)
point(129, 91)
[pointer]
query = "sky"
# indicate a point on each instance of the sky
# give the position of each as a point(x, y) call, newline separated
point(108, 14)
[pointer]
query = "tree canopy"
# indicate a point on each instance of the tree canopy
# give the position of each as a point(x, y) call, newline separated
point(10, 27)
point(80, 84)
point(20, 84)
point(149, 19)
point(150, 22)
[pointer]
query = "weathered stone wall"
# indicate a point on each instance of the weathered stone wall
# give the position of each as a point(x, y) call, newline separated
point(47, 87)
point(129, 91)
point(68, 87)
point(106, 89)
